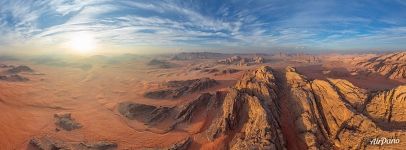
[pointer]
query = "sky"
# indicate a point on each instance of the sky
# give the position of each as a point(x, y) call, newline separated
point(58, 26)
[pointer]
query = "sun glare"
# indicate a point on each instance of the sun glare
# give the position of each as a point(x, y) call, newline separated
point(82, 43)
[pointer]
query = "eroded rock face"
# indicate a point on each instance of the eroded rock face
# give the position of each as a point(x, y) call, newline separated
point(13, 78)
point(231, 60)
point(160, 64)
point(142, 112)
point(250, 113)
point(304, 106)
point(389, 106)
point(66, 122)
point(205, 104)
point(181, 145)
point(237, 60)
point(18, 69)
point(198, 55)
point(48, 143)
point(350, 93)
point(329, 114)
point(391, 65)
point(180, 88)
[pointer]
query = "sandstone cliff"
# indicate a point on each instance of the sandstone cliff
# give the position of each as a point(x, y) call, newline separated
point(250, 114)
point(391, 65)
point(335, 114)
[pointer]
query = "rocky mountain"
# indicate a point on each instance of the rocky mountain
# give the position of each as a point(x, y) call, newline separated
point(206, 104)
point(12, 73)
point(242, 61)
point(49, 143)
point(13, 78)
point(177, 89)
point(391, 65)
point(160, 64)
point(250, 113)
point(321, 114)
point(18, 69)
point(198, 55)
point(335, 114)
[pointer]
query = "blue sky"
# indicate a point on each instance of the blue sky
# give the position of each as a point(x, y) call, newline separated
point(205, 24)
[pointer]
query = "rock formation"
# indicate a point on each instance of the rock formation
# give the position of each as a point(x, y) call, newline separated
point(12, 74)
point(198, 55)
point(391, 65)
point(332, 115)
point(13, 78)
point(209, 70)
point(48, 143)
point(181, 145)
point(160, 64)
point(206, 103)
point(66, 122)
point(388, 107)
point(250, 114)
point(325, 114)
point(142, 112)
point(19, 69)
point(177, 89)
point(231, 60)
point(228, 71)
point(237, 60)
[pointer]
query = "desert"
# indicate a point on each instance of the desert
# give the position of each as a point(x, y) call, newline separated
point(275, 104)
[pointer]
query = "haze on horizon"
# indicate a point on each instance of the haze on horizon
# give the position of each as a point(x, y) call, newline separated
point(106, 26)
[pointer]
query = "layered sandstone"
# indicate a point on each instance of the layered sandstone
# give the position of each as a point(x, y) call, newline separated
point(177, 89)
point(49, 143)
point(241, 61)
point(335, 114)
point(250, 113)
point(391, 65)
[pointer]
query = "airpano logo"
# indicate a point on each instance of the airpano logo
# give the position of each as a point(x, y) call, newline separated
point(384, 141)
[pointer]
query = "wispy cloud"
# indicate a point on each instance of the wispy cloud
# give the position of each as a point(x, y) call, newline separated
point(183, 24)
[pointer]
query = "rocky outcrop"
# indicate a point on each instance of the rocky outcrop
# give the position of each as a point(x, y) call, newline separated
point(392, 65)
point(6, 66)
point(237, 60)
point(160, 64)
point(48, 143)
point(329, 114)
point(66, 122)
point(205, 104)
point(181, 145)
point(351, 94)
point(258, 59)
point(228, 71)
point(231, 60)
point(304, 106)
point(388, 107)
point(19, 69)
point(299, 57)
point(209, 70)
point(177, 89)
point(250, 114)
point(198, 55)
point(13, 78)
point(143, 113)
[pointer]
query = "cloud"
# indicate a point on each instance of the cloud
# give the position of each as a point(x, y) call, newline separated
point(243, 24)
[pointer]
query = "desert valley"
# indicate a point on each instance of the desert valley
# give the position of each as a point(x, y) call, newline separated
point(203, 100)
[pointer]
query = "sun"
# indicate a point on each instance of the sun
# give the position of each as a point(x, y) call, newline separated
point(82, 43)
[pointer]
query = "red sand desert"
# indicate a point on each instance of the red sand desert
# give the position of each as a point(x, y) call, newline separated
point(187, 101)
